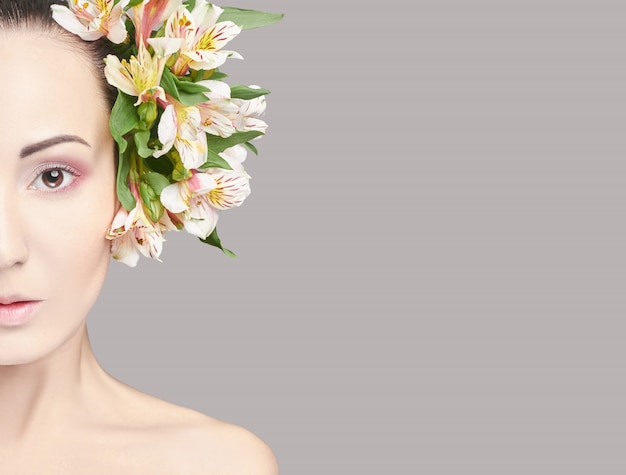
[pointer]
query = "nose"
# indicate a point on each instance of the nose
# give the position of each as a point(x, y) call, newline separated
point(13, 249)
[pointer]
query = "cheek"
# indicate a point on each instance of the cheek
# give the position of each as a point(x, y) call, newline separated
point(68, 257)
point(69, 238)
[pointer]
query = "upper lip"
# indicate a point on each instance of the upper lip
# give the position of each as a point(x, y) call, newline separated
point(9, 299)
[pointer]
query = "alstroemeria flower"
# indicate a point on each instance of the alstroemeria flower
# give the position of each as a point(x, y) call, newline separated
point(189, 200)
point(179, 127)
point(140, 76)
point(204, 37)
point(247, 116)
point(93, 19)
point(224, 116)
point(133, 233)
point(232, 186)
point(216, 113)
point(149, 14)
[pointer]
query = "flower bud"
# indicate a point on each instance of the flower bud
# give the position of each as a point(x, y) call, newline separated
point(151, 202)
point(147, 114)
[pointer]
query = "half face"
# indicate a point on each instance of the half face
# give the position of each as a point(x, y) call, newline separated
point(57, 194)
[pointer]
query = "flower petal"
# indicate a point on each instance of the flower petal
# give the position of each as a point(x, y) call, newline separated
point(202, 219)
point(115, 23)
point(235, 156)
point(115, 75)
point(206, 13)
point(166, 130)
point(201, 183)
point(233, 187)
point(164, 47)
point(218, 89)
point(174, 197)
point(208, 59)
point(219, 35)
point(192, 152)
point(66, 18)
point(123, 249)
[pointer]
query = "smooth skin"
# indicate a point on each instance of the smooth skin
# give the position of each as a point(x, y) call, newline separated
point(60, 412)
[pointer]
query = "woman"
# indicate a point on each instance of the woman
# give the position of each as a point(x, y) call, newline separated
point(59, 411)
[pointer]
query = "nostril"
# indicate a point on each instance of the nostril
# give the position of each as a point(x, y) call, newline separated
point(13, 249)
point(12, 253)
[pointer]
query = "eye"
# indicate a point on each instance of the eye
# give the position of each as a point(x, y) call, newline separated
point(51, 177)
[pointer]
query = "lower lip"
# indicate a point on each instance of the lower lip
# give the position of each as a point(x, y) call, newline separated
point(17, 313)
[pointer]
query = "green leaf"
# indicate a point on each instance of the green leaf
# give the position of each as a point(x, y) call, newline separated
point(214, 240)
point(213, 160)
point(185, 92)
point(251, 147)
point(156, 181)
point(192, 99)
point(189, 87)
point(141, 141)
point(248, 19)
point(218, 75)
point(123, 119)
point(219, 144)
point(244, 92)
point(168, 83)
point(133, 3)
point(123, 191)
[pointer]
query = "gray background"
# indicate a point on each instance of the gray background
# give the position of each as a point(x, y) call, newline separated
point(432, 261)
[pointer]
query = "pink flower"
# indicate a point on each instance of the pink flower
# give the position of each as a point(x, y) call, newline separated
point(148, 15)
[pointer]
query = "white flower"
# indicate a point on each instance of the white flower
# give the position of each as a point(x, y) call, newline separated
point(204, 37)
point(188, 199)
point(93, 19)
point(133, 233)
point(247, 116)
point(218, 111)
point(140, 76)
point(232, 186)
point(180, 128)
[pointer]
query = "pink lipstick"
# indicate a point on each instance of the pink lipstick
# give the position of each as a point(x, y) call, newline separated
point(17, 312)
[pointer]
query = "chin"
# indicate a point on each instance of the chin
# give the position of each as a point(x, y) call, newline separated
point(31, 344)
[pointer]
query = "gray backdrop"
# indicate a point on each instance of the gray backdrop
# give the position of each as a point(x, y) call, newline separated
point(432, 261)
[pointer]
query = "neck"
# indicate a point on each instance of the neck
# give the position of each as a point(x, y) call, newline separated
point(48, 393)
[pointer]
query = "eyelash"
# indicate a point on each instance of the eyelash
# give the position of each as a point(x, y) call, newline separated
point(47, 167)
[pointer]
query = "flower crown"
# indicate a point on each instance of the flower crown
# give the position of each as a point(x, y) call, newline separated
point(182, 134)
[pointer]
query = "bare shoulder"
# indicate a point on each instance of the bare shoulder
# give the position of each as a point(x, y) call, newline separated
point(190, 442)
point(209, 446)
point(233, 449)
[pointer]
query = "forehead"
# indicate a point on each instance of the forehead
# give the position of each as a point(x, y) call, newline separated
point(47, 88)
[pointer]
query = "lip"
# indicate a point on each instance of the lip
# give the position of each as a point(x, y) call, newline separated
point(17, 311)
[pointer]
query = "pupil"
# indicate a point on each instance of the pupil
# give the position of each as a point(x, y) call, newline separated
point(53, 178)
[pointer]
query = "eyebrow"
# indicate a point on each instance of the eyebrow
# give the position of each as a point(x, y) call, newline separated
point(52, 141)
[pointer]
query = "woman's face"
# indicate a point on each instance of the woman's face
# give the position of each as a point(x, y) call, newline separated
point(57, 194)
